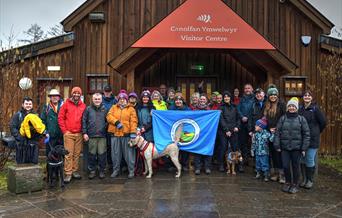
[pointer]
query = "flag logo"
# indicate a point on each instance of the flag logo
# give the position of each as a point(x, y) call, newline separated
point(189, 131)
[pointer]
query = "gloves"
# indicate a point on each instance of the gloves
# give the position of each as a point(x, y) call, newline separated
point(118, 125)
point(47, 139)
point(133, 135)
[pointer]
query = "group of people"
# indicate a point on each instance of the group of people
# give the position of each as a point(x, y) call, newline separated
point(281, 136)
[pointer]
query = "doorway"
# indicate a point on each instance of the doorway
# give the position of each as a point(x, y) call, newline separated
point(189, 84)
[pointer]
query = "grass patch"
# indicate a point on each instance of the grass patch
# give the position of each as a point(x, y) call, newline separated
point(332, 161)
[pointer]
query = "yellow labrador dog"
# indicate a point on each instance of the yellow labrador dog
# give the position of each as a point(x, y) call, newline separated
point(150, 152)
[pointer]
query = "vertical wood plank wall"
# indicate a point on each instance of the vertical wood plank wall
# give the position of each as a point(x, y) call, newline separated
point(127, 20)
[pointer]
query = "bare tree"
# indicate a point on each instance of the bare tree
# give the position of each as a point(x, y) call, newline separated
point(54, 31)
point(34, 34)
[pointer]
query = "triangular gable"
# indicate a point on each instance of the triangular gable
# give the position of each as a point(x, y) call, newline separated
point(203, 24)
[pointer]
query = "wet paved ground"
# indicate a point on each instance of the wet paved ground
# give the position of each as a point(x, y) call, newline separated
point(217, 195)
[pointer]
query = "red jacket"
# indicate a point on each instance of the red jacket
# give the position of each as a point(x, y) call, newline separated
point(70, 116)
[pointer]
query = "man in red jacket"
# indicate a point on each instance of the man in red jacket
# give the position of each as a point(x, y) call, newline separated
point(70, 123)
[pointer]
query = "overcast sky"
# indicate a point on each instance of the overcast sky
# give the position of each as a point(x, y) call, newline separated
point(18, 15)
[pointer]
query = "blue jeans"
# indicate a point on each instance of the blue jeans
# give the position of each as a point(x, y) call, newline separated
point(310, 156)
point(262, 163)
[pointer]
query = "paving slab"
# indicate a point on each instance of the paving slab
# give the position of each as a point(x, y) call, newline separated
point(215, 195)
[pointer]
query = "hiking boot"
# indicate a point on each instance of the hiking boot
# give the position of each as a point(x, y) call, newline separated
point(130, 175)
point(102, 175)
point(274, 178)
point(207, 171)
point(308, 185)
point(221, 168)
point(281, 178)
point(67, 179)
point(267, 177)
point(76, 175)
point(286, 187)
point(92, 175)
point(114, 174)
point(185, 169)
point(258, 175)
point(293, 189)
point(197, 172)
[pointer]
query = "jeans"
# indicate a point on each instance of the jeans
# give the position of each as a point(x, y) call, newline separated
point(310, 156)
point(291, 161)
point(262, 163)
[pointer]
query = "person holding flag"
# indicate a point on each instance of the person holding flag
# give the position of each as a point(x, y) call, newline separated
point(198, 158)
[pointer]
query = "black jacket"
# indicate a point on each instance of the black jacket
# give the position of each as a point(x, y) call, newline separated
point(229, 118)
point(316, 121)
point(257, 113)
point(94, 122)
point(15, 123)
point(281, 110)
point(292, 133)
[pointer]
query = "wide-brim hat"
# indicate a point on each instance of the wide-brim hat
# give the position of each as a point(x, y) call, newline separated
point(54, 92)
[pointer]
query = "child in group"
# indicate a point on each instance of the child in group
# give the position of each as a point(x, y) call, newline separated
point(260, 149)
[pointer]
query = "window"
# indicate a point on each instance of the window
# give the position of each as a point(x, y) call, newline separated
point(294, 86)
point(96, 83)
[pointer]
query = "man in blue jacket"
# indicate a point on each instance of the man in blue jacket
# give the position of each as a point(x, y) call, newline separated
point(245, 113)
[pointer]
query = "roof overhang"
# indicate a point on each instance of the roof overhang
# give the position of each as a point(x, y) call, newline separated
point(312, 13)
point(88, 6)
point(258, 61)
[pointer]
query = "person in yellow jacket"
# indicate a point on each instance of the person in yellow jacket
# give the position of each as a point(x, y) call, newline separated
point(122, 124)
point(157, 101)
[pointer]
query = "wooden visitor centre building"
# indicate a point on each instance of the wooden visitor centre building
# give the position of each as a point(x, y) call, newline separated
point(136, 44)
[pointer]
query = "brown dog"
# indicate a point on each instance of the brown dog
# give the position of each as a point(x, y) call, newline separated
point(233, 159)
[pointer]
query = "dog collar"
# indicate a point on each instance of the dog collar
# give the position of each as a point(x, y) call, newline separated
point(55, 164)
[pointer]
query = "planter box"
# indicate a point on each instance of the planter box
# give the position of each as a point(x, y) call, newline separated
point(24, 178)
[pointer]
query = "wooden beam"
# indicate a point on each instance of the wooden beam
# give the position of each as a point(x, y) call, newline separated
point(131, 81)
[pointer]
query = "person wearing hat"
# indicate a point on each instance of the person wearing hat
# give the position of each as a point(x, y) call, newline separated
point(317, 123)
point(108, 98)
point(70, 122)
point(257, 109)
point(228, 129)
point(122, 124)
point(133, 99)
point(274, 109)
point(260, 149)
point(214, 105)
point(49, 116)
point(292, 139)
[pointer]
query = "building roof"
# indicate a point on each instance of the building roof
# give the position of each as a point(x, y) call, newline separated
point(331, 44)
point(309, 10)
point(37, 48)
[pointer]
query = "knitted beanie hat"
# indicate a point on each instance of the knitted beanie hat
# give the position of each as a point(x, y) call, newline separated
point(76, 89)
point(293, 101)
point(133, 94)
point(123, 95)
point(262, 123)
point(272, 90)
